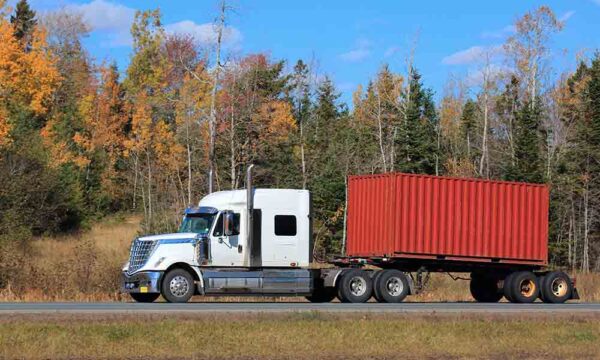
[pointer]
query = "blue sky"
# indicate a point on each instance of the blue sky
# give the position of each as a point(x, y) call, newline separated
point(348, 40)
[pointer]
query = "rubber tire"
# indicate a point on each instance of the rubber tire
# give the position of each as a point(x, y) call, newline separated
point(166, 291)
point(546, 290)
point(507, 289)
point(380, 289)
point(484, 288)
point(144, 297)
point(375, 278)
point(344, 293)
point(515, 290)
point(322, 295)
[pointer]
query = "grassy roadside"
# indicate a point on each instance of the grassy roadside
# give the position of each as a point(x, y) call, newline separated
point(299, 336)
point(87, 267)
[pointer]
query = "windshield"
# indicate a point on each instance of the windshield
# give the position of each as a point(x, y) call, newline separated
point(197, 223)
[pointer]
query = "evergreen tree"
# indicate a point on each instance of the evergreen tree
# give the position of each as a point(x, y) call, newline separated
point(326, 179)
point(300, 89)
point(469, 130)
point(302, 107)
point(528, 164)
point(24, 22)
point(417, 143)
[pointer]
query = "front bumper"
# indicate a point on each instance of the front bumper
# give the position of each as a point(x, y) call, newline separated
point(141, 282)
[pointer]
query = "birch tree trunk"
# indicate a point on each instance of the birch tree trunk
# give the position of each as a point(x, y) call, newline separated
point(484, 136)
point(213, 96)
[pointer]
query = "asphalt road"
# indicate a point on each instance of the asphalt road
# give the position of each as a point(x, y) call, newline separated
point(278, 307)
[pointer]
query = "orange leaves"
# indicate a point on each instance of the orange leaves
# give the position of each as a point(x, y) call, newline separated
point(31, 76)
point(275, 121)
point(4, 129)
point(168, 151)
point(28, 78)
point(141, 127)
point(41, 77)
point(152, 137)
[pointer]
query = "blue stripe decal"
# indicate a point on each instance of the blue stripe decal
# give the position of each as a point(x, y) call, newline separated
point(177, 241)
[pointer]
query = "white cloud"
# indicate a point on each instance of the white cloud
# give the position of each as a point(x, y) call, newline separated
point(105, 15)
point(108, 17)
point(205, 34)
point(472, 55)
point(500, 33)
point(476, 77)
point(566, 16)
point(115, 21)
point(361, 51)
point(391, 51)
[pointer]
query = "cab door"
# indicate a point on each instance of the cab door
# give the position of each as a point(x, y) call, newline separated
point(226, 249)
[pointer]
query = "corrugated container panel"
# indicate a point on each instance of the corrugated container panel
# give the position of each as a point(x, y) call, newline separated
point(392, 215)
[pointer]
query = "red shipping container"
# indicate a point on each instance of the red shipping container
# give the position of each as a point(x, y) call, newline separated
point(431, 217)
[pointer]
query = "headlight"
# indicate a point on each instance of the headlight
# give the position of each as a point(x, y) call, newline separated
point(126, 266)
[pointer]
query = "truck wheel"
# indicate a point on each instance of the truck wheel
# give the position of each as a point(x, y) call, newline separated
point(556, 287)
point(144, 298)
point(484, 288)
point(177, 286)
point(523, 287)
point(321, 295)
point(507, 289)
point(390, 286)
point(355, 286)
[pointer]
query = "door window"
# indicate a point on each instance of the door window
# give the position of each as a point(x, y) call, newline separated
point(220, 227)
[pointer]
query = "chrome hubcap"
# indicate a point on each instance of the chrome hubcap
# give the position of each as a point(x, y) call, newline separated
point(358, 286)
point(179, 286)
point(394, 286)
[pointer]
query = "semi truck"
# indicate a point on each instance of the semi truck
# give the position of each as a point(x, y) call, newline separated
point(400, 228)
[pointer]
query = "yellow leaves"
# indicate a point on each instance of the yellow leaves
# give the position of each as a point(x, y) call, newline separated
point(26, 77)
point(194, 95)
point(276, 121)
point(4, 129)
point(60, 153)
point(42, 76)
point(450, 113)
point(167, 149)
point(156, 137)
point(460, 168)
point(29, 76)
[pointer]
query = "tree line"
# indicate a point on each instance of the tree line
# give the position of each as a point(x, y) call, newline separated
point(81, 139)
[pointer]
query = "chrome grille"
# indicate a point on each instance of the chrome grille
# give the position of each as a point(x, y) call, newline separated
point(140, 252)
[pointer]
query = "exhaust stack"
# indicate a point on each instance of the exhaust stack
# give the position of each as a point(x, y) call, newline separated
point(250, 211)
point(210, 181)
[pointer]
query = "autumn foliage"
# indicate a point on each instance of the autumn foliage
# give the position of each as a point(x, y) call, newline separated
point(81, 139)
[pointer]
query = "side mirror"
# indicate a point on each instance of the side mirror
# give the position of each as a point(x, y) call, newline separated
point(228, 223)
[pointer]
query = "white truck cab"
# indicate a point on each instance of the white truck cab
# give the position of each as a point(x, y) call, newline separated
point(281, 221)
point(253, 241)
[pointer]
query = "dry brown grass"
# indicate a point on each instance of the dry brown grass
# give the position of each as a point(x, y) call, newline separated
point(86, 267)
point(308, 335)
point(79, 267)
